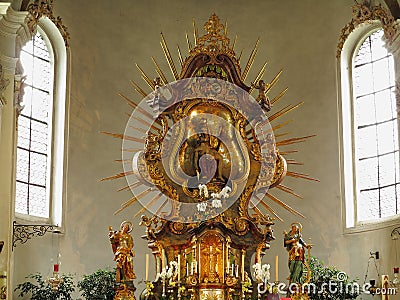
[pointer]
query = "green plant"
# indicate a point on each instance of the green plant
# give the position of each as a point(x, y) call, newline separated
point(41, 289)
point(98, 285)
point(329, 283)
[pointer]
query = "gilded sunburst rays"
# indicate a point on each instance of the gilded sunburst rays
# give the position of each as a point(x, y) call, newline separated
point(148, 123)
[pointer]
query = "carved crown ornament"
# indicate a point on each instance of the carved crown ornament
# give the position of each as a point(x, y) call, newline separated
point(365, 13)
point(44, 8)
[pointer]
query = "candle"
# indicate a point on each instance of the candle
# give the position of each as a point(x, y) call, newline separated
point(162, 259)
point(55, 268)
point(243, 265)
point(237, 271)
point(276, 268)
point(179, 267)
point(187, 269)
point(147, 267)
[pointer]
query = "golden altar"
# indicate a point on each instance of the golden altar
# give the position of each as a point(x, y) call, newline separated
point(205, 168)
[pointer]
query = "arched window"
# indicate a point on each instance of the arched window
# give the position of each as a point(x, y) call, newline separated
point(41, 126)
point(370, 132)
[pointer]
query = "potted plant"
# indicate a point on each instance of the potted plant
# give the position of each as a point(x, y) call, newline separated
point(41, 289)
point(98, 285)
point(329, 283)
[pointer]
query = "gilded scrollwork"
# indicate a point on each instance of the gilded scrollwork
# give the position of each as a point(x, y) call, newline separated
point(364, 13)
point(44, 8)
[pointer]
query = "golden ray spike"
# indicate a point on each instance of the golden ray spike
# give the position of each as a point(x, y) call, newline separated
point(269, 208)
point(145, 123)
point(123, 160)
point(133, 200)
point(194, 33)
point(138, 89)
point(168, 56)
point(146, 78)
point(294, 140)
point(274, 128)
point(116, 176)
point(274, 80)
point(133, 185)
point(288, 152)
point(148, 204)
point(293, 162)
point(234, 43)
point(159, 71)
point(240, 56)
point(285, 206)
point(122, 136)
point(226, 27)
point(139, 129)
point(135, 106)
point(260, 74)
point(281, 135)
point(288, 190)
point(250, 61)
point(189, 44)
point(281, 94)
point(161, 207)
point(180, 56)
point(284, 111)
point(132, 150)
point(300, 175)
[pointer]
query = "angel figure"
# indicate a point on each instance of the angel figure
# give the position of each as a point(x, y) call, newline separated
point(262, 98)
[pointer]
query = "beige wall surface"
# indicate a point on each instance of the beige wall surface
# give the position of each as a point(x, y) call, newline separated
point(109, 37)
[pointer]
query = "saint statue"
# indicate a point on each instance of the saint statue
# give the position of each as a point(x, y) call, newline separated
point(296, 246)
point(122, 246)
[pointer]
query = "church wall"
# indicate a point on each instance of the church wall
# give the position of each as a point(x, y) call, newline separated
point(109, 37)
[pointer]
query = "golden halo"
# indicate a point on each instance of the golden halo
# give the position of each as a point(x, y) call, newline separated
point(130, 225)
point(298, 225)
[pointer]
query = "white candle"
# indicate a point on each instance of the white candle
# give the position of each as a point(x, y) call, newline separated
point(187, 269)
point(237, 271)
point(179, 267)
point(276, 268)
point(162, 259)
point(147, 267)
point(242, 265)
point(233, 267)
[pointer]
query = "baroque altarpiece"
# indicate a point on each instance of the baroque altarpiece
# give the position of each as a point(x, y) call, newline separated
point(205, 169)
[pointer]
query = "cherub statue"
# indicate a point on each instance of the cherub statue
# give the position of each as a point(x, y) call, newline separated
point(122, 246)
point(262, 98)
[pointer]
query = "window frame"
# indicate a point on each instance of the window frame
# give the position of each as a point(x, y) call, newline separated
point(58, 125)
point(346, 134)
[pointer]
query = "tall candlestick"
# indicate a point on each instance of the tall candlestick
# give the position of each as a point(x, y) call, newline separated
point(179, 267)
point(276, 268)
point(147, 267)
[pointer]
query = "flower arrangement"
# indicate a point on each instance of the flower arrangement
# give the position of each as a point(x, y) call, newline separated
point(261, 272)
